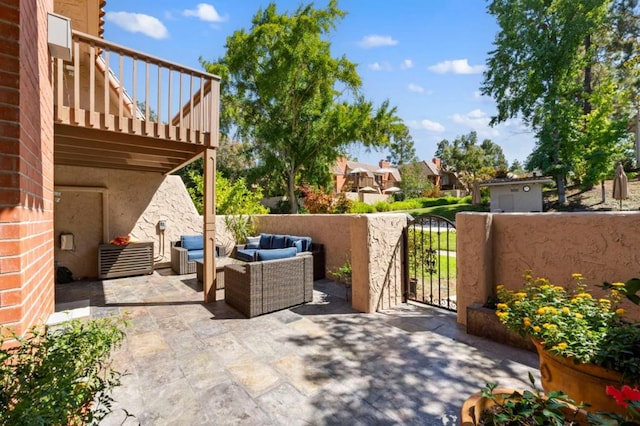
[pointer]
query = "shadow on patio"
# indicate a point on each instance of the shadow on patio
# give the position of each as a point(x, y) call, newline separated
point(320, 363)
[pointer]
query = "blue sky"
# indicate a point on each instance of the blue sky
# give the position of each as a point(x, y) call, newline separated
point(425, 56)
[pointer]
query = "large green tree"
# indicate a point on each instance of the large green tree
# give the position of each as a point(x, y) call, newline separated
point(547, 68)
point(291, 101)
point(402, 150)
point(469, 160)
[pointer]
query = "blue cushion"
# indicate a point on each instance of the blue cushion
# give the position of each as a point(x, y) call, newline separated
point(247, 255)
point(265, 241)
point(253, 242)
point(278, 242)
point(192, 242)
point(195, 254)
point(275, 253)
point(298, 245)
point(306, 242)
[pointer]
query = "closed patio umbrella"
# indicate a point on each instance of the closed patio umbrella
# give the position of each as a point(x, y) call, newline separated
point(620, 189)
point(392, 189)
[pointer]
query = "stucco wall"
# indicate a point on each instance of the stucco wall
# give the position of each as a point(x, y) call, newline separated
point(370, 242)
point(497, 248)
point(137, 201)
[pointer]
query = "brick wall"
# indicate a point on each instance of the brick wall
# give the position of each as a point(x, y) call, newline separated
point(26, 165)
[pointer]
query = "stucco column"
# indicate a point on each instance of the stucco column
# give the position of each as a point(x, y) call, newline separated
point(209, 216)
point(474, 280)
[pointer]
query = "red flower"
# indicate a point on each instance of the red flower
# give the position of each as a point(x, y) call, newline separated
point(625, 395)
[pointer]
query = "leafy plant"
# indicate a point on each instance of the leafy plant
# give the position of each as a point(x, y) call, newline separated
point(573, 323)
point(241, 226)
point(60, 375)
point(527, 407)
point(344, 273)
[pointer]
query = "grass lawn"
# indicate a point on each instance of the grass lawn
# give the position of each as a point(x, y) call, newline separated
point(448, 211)
point(446, 241)
point(440, 268)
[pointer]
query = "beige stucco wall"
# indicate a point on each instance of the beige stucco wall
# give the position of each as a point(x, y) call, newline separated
point(497, 248)
point(137, 201)
point(370, 242)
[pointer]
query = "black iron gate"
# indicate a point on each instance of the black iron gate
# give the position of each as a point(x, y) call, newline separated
point(430, 259)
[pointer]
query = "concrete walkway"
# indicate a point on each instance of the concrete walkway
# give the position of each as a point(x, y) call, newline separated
point(318, 364)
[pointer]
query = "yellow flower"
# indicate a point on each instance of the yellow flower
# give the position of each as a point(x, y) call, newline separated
point(502, 315)
point(536, 329)
point(526, 321)
point(576, 275)
point(614, 292)
point(584, 295)
point(558, 288)
point(502, 306)
point(579, 315)
point(545, 287)
point(620, 311)
point(499, 287)
point(541, 311)
point(604, 301)
point(549, 326)
point(618, 284)
point(560, 346)
point(566, 310)
point(520, 295)
point(517, 302)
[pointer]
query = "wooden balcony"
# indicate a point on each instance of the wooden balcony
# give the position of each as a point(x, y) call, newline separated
point(168, 115)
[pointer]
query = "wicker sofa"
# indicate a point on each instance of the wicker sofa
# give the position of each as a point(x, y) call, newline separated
point(247, 252)
point(187, 250)
point(264, 286)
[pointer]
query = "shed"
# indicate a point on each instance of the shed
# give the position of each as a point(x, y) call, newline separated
point(516, 195)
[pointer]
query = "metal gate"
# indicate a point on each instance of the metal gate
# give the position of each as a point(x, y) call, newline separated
point(430, 259)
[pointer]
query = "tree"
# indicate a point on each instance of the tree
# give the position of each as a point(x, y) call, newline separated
point(402, 149)
point(546, 68)
point(296, 106)
point(232, 197)
point(516, 167)
point(469, 160)
point(414, 183)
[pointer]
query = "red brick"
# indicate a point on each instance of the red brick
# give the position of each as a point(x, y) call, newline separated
point(8, 13)
point(9, 298)
point(9, 247)
point(10, 281)
point(9, 264)
point(10, 314)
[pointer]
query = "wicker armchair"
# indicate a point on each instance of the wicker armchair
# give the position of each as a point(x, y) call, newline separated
point(257, 288)
point(180, 262)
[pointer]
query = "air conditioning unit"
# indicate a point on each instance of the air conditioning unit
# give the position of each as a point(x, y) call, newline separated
point(123, 261)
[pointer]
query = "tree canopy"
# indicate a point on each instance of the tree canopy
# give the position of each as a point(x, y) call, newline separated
point(469, 160)
point(295, 106)
point(549, 67)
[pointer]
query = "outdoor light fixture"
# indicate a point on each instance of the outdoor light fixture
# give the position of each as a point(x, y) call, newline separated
point(59, 36)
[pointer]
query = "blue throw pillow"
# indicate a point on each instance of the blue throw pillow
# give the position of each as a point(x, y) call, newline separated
point(192, 242)
point(274, 254)
point(278, 242)
point(298, 245)
point(306, 242)
point(265, 241)
point(253, 242)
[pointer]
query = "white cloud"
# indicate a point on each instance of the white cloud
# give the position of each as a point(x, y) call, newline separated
point(380, 66)
point(478, 121)
point(415, 88)
point(138, 23)
point(205, 12)
point(432, 126)
point(457, 66)
point(370, 41)
point(406, 64)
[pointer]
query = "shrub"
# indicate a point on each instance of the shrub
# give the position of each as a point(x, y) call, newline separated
point(53, 375)
point(382, 206)
point(360, 207)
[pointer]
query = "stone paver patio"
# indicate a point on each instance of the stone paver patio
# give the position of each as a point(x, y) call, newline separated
point(318, 364)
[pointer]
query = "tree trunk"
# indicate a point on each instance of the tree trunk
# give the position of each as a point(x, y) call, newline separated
point(292, 192)
point(562, 195)
point(604, 193)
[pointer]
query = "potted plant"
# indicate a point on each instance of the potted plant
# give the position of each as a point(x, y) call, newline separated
point(494, 406)
point(584, 342)
point(59, 375)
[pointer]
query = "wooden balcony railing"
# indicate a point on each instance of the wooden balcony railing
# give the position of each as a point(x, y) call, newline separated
point(110, 87)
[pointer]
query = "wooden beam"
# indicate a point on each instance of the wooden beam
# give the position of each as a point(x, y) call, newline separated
point(209, 202)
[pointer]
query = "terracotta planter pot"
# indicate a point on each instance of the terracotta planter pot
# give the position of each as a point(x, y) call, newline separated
point(476, 404)
point(582, 382)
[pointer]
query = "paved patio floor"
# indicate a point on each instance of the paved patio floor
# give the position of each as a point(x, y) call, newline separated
point(318, 364)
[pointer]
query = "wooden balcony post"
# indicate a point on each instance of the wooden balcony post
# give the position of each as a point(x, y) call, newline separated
point(209, 202)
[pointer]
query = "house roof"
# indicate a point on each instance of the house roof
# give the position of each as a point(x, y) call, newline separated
point(511, 181)
point(431, 168)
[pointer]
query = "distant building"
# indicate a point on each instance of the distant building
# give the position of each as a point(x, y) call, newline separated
point(516, 195)
point(353, 176)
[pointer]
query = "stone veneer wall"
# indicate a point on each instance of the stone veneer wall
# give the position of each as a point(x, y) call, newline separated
point(137, 201)
point(497, 248)
point(371, 242)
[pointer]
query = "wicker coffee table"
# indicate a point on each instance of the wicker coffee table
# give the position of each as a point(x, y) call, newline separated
point(220, 263)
